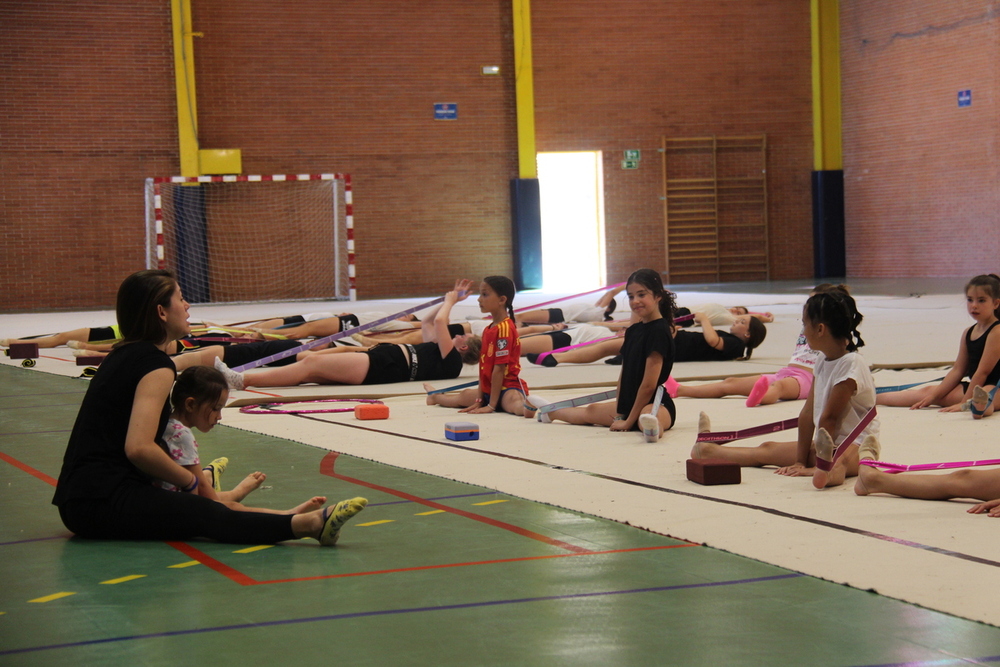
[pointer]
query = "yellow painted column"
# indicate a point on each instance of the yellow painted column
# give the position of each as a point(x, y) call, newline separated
point(187, 108)
point(827, 148)
point(524, 90)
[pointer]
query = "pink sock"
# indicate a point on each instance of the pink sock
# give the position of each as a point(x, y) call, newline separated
point(760, 388)
point(671, 386)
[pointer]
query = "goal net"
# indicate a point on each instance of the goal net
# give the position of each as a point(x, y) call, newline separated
point(253, 238)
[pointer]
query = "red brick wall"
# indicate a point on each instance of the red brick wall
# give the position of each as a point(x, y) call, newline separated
point(619, 77)
point(304, 87)
point(920, 173)
point(86, 113)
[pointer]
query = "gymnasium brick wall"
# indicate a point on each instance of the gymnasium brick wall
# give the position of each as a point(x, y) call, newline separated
point(350, 87)
point(644, 70)
point(922, 193)
point(86, 113)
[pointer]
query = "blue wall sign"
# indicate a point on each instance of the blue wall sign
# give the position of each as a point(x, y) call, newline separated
point(446, 111)
point(965, 98)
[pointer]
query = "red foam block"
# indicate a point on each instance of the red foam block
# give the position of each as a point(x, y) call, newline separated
point(371, 411)
point(23, 351)
point(713, 471)
point(89, 361)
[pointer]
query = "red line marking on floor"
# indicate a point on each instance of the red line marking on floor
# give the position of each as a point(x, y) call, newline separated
point(326, 467)
point(28, 469)
point(481, 562)
point(220, 567)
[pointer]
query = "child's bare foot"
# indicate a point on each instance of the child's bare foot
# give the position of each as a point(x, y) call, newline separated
point(869, 451)
point(704, 423)
point(705, 450)
point(980, 401)
point(825, 449)
point(250, 483)
point(310, 505)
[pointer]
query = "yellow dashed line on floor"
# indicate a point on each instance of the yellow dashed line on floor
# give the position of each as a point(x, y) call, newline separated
point(429, 513)
point(54, 596)
point(187, 564)
point(249, 550)
point(375, 523)
point(121, 580)
point(490, 502)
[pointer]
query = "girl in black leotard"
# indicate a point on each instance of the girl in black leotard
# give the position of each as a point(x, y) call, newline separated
point(976, 372)
point(439, 357)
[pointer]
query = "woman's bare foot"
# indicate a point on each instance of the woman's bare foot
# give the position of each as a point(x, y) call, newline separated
point(310, 505)
point(430, 397)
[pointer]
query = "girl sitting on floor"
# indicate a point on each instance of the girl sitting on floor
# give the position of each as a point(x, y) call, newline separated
point(198, 397)
point(500, 387)
point(978, 360)
point(648, 356)
point(842, 394)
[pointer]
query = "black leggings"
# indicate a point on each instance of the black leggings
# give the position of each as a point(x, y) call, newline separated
point(137, 511)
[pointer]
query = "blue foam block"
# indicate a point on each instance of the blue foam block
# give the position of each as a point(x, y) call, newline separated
point(461, 431)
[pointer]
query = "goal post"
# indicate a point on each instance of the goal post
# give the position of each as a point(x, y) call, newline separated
point(229, 239)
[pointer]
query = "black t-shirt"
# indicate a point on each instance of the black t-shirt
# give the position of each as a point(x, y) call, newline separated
point(95, 462)
point(691, 346)
point(641, 340)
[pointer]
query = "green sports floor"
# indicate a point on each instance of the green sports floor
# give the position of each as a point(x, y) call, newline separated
point(433, 572)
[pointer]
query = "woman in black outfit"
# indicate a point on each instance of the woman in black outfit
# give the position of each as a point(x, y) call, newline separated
point(116, 450)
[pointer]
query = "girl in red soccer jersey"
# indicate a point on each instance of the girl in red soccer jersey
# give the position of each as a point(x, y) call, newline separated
point(500, 389)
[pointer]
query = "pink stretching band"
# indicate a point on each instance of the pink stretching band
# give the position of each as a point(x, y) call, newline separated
point(848, 441)
point(729, 436)
point(898, 467)
point(571, 296)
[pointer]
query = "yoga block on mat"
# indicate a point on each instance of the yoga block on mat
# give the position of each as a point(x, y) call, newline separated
point(89, 361)
point(461, 431)
point(371, 411)
point(713, 471)
point(23, 351)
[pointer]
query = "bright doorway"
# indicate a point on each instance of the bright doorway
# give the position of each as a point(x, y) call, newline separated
point(571, 187)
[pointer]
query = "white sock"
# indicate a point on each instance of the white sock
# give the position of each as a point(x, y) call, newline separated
point(233, 379)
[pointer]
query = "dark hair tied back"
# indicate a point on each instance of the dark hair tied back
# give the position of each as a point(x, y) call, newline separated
point(838, 311)
point(503, 286)
point(205, 385)
point(989, 283)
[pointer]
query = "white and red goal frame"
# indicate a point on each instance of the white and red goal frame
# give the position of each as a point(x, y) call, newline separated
point(155, 250)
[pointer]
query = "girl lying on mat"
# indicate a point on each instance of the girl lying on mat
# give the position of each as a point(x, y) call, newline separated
point(739, 342)
point(602, 311)
point(718, 315)
point(648, 356)
point(842, 398)
point(439, 357)
point(320, 325)
point(971, 383)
